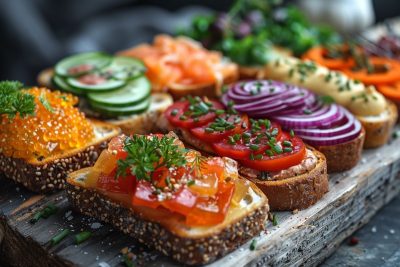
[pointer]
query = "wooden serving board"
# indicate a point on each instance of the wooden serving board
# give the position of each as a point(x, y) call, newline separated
point(307, 237)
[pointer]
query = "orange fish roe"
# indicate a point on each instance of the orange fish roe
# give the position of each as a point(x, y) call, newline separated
point(54, 128)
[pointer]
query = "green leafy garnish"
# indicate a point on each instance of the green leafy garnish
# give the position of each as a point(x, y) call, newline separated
point(45, 102)
point(326, 99)
point(13, 101)
point(148, 153)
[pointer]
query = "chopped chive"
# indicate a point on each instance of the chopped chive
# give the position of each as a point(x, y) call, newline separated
point(253, 244)
point(236, 137)
point(168, 181)
point(191, 182)
point(269, 153)
point(274, 132)
point(174, 112)
point(267, 124)
point(209, 130)
point(277, 148)
point(82, 237)
point(291, 133)
point(246, 135)
point(196, 119)
point(252, 156)
point(254, 147)
point(127, 261)
point(219, 129)
point(287, 149)
point(183, 117)
point(231, 140)
point(230, 103)
point(258, 157)
point(307, 111)
point(230, 127)
point(287, 143)
point(36, 217)
point(59, 237)
point(274, 220)
point(219, 111)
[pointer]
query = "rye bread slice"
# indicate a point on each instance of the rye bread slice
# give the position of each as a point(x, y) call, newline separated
point(49, 174)
point(188, 245)
point(343, 157)
point(297, 192)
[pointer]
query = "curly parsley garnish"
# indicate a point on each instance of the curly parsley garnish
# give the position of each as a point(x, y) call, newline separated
point(148, 153)
point(13, 101)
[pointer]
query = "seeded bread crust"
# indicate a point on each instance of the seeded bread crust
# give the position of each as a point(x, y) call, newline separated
point(298, 192)
point(191, 251)
point(343, 157)
point(49, 174)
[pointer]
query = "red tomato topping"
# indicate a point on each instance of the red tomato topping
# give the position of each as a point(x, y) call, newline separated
point(212, 210)
point(123, 185)
point(182, 202)
point(234, 124)
point(180, 115)
point(116, 145)
point(281, 161)
point(144, 195)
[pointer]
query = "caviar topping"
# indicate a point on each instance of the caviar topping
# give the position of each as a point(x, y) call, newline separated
point(55, 126)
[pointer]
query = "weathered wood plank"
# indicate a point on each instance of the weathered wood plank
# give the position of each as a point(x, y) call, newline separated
point(307, 237)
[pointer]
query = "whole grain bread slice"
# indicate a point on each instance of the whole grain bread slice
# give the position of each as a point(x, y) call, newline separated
point(142, 123)
point(188, 245)
point(297, 192)
point(49, 174)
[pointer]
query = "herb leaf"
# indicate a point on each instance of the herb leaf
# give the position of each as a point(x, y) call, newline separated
point(326, 99)
point(45, 102)
point(148, 153)
point(13, 101)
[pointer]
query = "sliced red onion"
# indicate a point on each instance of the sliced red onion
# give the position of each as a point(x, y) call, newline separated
point(294, 108)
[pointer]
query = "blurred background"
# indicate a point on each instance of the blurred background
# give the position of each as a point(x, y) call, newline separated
point(37, 33)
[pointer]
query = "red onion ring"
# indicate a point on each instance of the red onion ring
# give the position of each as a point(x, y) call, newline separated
point(294, 108)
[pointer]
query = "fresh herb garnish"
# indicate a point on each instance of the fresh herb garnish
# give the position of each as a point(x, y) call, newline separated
point(326, 99)
point(274, 220)
point(45, 213)
point(82, 237)
point(253, 244)
point(45, 102)
point(59, 237)
point(13, 101)
point(148, 153)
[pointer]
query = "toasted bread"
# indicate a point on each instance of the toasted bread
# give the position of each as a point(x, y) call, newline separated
point(343, 157)
point(297, 192)
point(189, 245)
point(379, 128)
point(139, 123)
point(48, 174)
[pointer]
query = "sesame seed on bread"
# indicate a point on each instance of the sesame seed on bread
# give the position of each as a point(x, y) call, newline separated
point(48, 174)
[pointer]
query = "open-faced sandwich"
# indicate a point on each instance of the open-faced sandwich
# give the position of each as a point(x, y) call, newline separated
point(43, 137)
point(187, 206)
point(357, 63)
point(292, 175)
point(328, 127)
point(182, 66)
point(110, 87)
point(377, 114)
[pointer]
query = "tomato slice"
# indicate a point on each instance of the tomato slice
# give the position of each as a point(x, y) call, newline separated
point(116, 145)
point(278, 162)
point(122, 185)
point(144, 195)
point(242, 149)
point(237, 122)
point(212, 210)
point(180, 115)
point(182, 202)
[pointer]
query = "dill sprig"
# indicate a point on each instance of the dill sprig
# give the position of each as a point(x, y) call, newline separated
point(148, 153)
point(13, 101)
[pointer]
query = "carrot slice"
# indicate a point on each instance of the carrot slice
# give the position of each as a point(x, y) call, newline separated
point(318, 54)
point(391, 75)
point(391, 91)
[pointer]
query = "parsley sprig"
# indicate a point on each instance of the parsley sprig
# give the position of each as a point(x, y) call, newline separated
point(13, 101)
point(148, 153)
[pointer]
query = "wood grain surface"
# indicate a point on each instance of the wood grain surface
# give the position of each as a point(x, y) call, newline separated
point(306, 237)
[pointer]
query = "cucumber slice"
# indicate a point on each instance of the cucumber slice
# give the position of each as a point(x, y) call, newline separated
point(108, 85)
point(125, 68)
point(121, 111)
point(60, 83)
point(134, 92)
point(98, 60)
